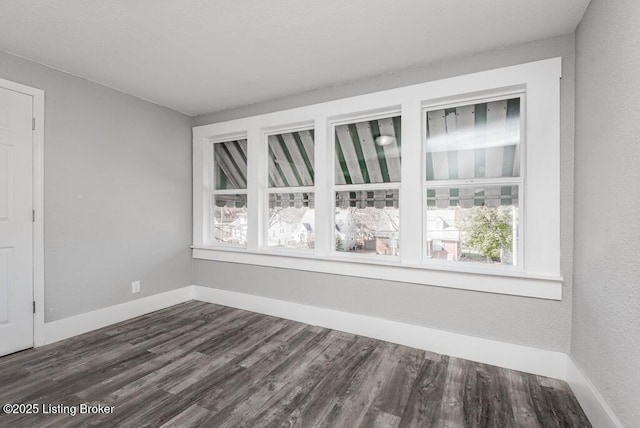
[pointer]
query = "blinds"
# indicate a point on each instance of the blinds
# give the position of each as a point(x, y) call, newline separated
point(474, 141)
point(359, 160)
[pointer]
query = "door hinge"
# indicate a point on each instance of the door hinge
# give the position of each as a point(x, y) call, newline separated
point(33, 216)
point(33, 123)
point(34, 306)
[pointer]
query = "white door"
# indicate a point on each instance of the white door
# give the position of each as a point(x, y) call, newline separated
point(16, 222)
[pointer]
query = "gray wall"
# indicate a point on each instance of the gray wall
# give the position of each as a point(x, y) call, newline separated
point(117, 192)
point(534, 322)
point(606, 307)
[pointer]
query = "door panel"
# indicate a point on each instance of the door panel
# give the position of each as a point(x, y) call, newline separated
point(6, 282)
point(16, 224)
point(6, 172)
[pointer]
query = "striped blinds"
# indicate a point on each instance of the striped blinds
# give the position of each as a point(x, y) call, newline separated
point(368, 198)
point(291, 158)
point(359, 160)
point(474, 141)
point(231, 201)
point(291, 200)
point(491, 196)
point(230, 165)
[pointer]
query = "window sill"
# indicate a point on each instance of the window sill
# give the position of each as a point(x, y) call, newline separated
point(511, 282)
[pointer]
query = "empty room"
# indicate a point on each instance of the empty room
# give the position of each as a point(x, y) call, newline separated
point(371, 213)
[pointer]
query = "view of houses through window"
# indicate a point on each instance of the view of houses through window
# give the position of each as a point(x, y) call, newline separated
point(478, 224)
point(368, 222)
point(230, 218)
point(291, 220)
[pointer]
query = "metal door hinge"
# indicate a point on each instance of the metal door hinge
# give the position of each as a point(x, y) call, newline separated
point(33, 216)
point(34, 306)
point(33, 123)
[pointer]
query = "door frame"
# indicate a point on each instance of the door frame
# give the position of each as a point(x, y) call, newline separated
point(38, 204)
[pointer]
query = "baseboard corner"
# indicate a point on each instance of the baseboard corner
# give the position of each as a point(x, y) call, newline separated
point(593, 404)
point(65, 328)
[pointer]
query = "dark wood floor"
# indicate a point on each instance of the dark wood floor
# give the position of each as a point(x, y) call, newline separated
point(198, 364)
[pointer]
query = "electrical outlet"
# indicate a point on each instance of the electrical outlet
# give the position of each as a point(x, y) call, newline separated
point(135, 287)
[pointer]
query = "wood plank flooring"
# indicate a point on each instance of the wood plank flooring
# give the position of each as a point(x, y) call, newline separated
point(198, 364)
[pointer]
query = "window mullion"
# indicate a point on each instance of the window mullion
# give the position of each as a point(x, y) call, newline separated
point(256, 187)
point(202, 233)
point(542, 250)
point(324, 203)
point(411, 184)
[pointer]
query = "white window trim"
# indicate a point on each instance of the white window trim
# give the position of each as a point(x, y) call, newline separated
point(539, 277)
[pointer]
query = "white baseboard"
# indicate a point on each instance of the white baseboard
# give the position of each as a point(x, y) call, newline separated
point(590, 399)
point(516, 357)
point(83, 323)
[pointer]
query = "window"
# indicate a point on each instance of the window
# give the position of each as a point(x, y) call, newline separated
point(229, 197)
point(453, 183)
point(291, 215)
point(473, 224)
point(472, 181)
point(367, 177)
point(367, 222)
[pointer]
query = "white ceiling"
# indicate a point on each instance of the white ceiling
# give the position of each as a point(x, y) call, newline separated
point(200, 56)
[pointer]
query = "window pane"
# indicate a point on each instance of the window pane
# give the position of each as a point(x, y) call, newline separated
point(291, 159)
point(230, 164)
point(230, 219)
point(291, 220)
point(474, 141)
point(476, 224)
point(368, 152)
point(368, 222)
